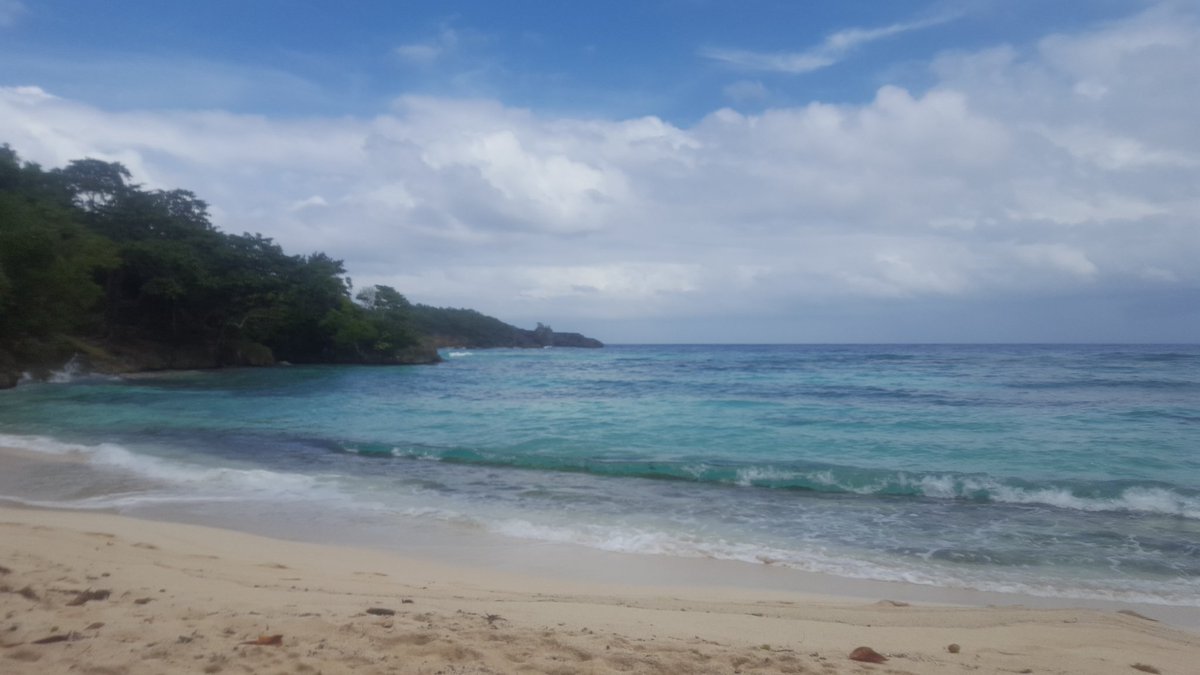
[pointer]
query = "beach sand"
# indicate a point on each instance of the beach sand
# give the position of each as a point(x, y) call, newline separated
point(102, 594)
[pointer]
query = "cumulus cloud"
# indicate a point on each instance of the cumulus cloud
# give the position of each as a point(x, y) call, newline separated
point(834, 48)
point(1113, 152)
point(1001, 180)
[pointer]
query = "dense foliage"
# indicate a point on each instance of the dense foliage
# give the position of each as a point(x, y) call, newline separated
point(140, 279)
point(86, 254)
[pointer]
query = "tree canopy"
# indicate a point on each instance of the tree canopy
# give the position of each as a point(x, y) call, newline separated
point(85, 252)
point(88, 257)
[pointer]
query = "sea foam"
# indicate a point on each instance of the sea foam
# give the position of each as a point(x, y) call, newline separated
point(1137, 498)
point(163, 472)
point(633, 540)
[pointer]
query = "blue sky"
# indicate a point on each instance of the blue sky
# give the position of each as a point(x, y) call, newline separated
point(680, 170)
point(616, 58)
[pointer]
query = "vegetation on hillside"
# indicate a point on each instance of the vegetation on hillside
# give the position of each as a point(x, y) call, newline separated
point(92, 263)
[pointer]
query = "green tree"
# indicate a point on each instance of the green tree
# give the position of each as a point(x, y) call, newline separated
point(48, 264)
point(94, 184)
point(390, 314)
point(86, 253)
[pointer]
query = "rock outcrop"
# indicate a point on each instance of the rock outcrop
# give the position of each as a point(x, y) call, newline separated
point(139, 356)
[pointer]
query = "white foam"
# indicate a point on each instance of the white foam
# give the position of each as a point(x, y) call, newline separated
point(751, 475)
point(458, 354)
point(426, 455)
point(219, 480)
point(440, 514)
point(43, 444)
point(819, 560)
point(117, 501)
point(938, 487)
point(1138, 499)
point(70, 371)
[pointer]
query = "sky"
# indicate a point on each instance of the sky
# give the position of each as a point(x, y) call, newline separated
point(667, 170)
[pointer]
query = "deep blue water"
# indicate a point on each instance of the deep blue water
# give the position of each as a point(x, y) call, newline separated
point(1058, 470)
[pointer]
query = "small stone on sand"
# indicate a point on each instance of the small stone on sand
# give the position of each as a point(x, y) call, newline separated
point(867, 655)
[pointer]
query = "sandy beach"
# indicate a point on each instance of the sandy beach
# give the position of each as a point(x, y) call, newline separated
point(103, 594)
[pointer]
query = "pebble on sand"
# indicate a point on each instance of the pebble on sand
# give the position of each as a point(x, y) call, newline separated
point(867, 655)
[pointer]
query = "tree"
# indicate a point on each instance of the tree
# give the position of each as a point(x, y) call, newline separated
point(48, 263)
point(93, 183)
point(354, 335)
point(87, 254)
point(390, 314)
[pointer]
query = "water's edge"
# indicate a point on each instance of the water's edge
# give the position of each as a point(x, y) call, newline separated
point(1064, 472)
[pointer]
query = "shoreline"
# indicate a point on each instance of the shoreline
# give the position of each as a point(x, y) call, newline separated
point(444, 544)
point(450, 544)
point(181, 598)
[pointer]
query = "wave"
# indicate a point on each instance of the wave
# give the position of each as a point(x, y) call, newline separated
point(162, 472)
point(174, 482)
point(72, 371)
point(624, 538)
point(117, 501)
point(1097, 496)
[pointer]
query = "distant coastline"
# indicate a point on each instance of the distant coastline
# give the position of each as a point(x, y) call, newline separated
point(76, 355)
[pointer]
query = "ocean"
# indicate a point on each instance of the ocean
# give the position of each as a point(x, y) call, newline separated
point(1048, 470)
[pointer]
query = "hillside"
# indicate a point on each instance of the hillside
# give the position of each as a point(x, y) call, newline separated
point(120, 278)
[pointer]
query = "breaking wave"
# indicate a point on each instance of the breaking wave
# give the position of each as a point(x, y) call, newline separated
point(165, 479)
point(1120, 496)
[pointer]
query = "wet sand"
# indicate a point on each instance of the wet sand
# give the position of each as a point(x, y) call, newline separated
point(103, 594)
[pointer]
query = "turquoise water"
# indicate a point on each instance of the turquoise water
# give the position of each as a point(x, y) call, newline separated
point(1070, 471)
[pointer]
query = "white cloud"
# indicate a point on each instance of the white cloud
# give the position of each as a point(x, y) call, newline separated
point(1043, 200)
point(1000, 179)
point(779, 62)
point(1058, 257)
point(315, 201)
point(834, 48)
point(1114, 152)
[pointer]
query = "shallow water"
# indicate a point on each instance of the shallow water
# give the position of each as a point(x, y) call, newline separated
point(1067, 471)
